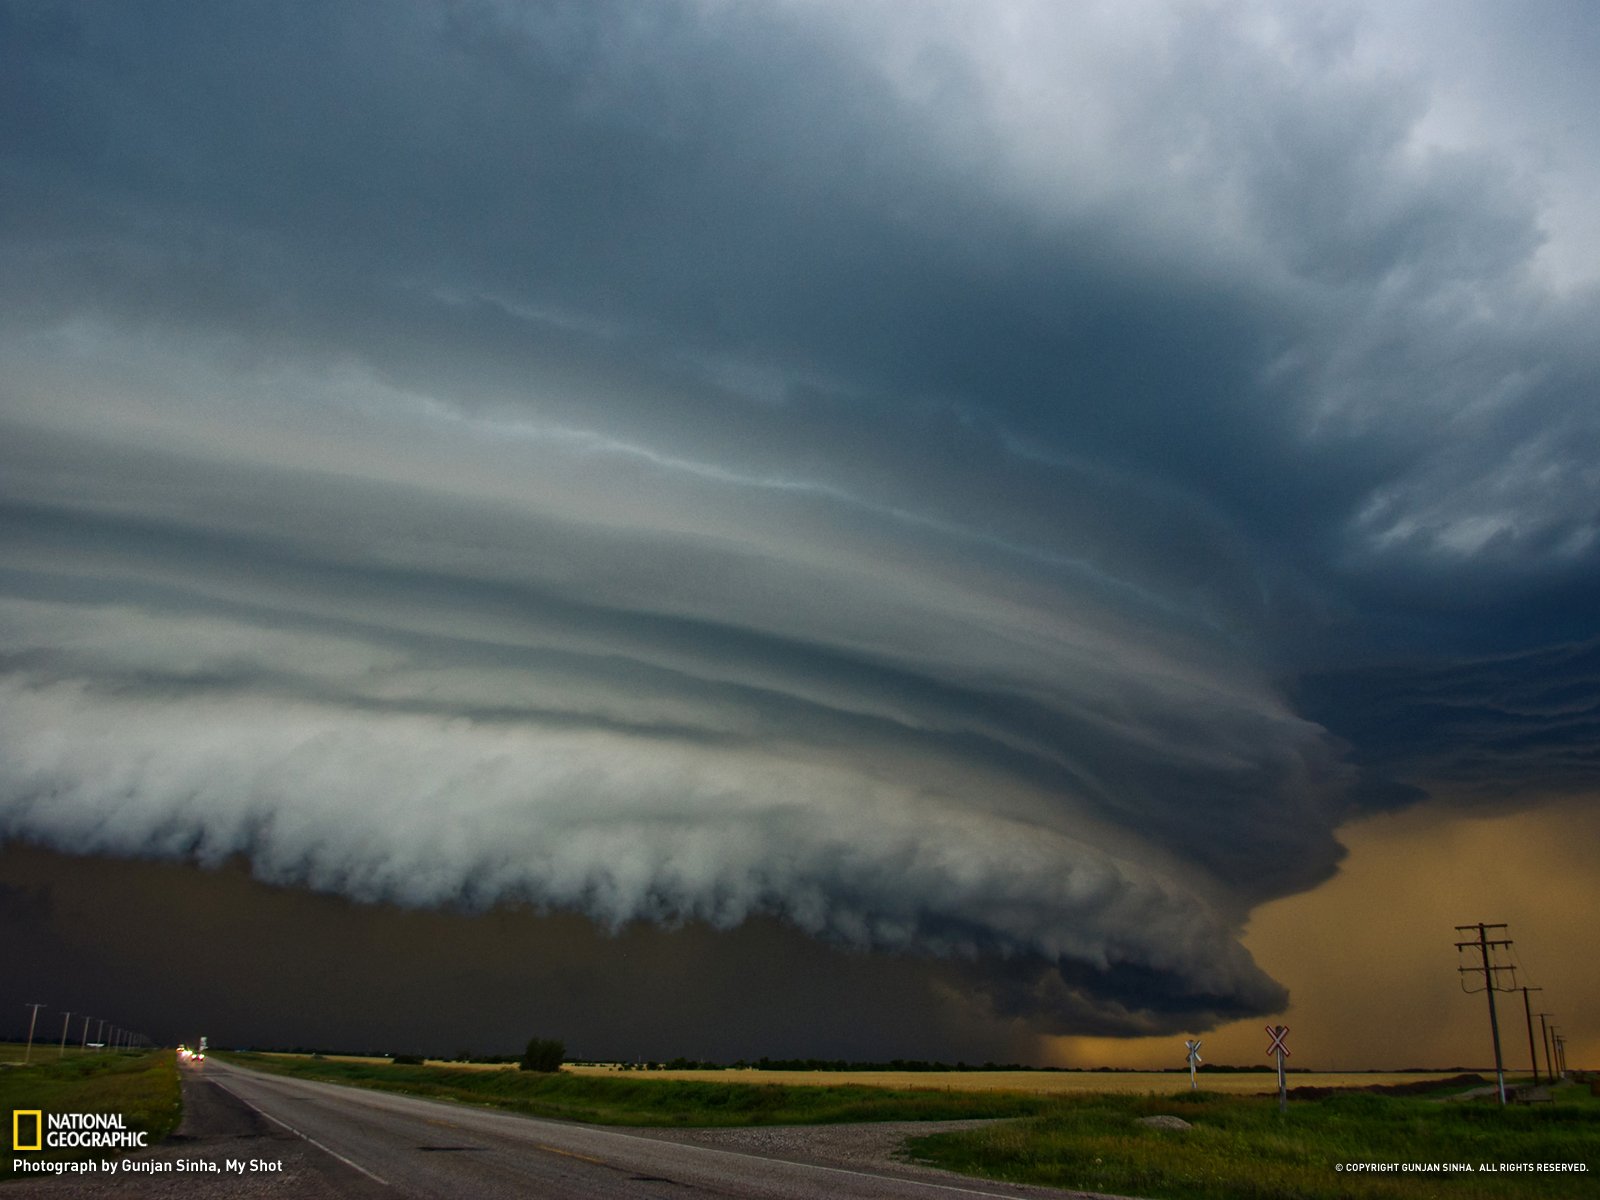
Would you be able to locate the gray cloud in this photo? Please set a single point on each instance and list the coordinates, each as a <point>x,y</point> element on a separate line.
<point>955,485</point>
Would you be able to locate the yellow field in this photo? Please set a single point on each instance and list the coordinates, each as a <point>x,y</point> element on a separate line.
<point>1043,1082</point>
<point>355,1058</point>
<point>371,1059</point>
<point>1037,1082</point>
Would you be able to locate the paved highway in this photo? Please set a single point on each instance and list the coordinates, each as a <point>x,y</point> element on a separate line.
<point>424,1148</point>
<point>323,1140</point>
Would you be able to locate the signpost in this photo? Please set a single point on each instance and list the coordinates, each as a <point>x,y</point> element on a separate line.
<point>1277,1033</point>
<point>1194,1061</point>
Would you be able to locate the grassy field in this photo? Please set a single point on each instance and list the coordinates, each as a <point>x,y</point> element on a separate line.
<point>43,1052</point>
<point>1242,1148</point>
<point>647,1098</point>
<point>142,1086</point>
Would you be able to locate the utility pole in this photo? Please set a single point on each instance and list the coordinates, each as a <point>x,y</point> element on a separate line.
<point>86,1019</point>
<point>1561,1054</point>
<point>32,1021</point>
<point>1528,1011</point>
<point>99,1032</point>
<point>1544,1036</point>
<point>1483,944</point>
<point>65,1020</point>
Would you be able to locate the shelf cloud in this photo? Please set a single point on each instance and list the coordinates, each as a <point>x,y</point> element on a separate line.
<point>995,485</point>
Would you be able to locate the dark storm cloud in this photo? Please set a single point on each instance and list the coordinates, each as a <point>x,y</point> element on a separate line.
<point>895,475</point>
<point>1514,727</point>
<point>289,969</point>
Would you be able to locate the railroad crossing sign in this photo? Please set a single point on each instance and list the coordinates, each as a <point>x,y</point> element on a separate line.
<point>1193,1057</point>
<point>1277,1033</point>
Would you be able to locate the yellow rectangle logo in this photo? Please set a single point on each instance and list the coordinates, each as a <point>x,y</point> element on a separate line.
<point>19,1122</point>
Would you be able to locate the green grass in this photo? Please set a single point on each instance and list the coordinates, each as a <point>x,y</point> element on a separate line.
<point>643,1101</point>
<point>42,1052</point>
<point>1242,1148</point>
<point>142,1086</point>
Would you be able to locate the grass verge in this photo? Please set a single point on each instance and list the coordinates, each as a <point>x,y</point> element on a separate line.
<point>610,1100</point>
<point>1242,1148</point>
<point>142,1087</point>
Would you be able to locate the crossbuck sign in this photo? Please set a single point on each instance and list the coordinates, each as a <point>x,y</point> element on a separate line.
<point>1194,1060</point>
<point>1277,1033</point>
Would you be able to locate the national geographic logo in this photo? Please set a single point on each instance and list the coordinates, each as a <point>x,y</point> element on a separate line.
<point>31,1129</point>
<point>27,1129</point>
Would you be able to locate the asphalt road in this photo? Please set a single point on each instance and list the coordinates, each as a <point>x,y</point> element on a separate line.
<point>322,1140</point>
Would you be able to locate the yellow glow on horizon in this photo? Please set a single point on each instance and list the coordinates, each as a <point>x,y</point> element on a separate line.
<point>1370,961</point>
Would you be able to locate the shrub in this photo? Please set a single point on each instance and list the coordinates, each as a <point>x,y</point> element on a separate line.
<point>407,1060</point>
<point>543,1054</point>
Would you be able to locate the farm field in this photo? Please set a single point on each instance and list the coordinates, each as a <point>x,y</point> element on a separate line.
<point>1045,1083</point>
<point>1040,1083</point>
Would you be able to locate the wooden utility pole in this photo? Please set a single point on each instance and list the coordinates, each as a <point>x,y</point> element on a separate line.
<point>1528,1010</point>
<point>32,1021</point>
<point>1484,944</point>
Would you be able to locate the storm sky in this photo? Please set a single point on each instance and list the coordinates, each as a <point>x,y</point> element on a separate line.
<point>986,490</point>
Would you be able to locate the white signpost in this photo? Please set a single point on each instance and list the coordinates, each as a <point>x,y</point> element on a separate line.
<point>1277,1033</point>
<point>1194,1061</point>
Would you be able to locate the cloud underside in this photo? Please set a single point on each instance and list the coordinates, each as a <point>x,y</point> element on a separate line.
<point>433,738</point>
<point>958,489</point>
